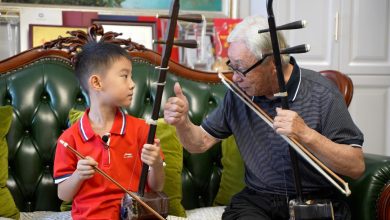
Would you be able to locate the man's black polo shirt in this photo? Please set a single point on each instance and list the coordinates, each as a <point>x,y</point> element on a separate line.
<point>267,162</point>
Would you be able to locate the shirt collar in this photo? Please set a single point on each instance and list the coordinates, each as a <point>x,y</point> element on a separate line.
<point>294,82</point>
<point>119,126</point>
<point>292,85</point>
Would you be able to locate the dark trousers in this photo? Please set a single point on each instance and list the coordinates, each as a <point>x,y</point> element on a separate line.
<point>249,204</point>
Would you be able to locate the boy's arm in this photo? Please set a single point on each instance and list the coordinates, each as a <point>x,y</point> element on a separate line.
<point>151,155</point>
<point>69,187</point>
<point>156,177</point>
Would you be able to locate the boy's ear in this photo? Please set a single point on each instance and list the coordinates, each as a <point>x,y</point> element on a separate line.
<point>95,82</point>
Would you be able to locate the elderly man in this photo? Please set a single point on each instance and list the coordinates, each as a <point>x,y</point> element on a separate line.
<point>318,118</point>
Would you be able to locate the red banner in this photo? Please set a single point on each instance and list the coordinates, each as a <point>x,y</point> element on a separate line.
<point>223,27</point>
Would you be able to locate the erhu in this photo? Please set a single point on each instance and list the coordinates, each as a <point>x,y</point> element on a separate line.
<point>298,208</point>
<point>131,208</point>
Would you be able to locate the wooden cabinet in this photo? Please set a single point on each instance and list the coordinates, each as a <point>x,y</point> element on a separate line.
<point>320,32</point>
<point>365,37</point>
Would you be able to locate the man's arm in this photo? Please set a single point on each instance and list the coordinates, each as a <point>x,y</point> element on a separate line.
<point>341,158</point>
<point>193,137</point>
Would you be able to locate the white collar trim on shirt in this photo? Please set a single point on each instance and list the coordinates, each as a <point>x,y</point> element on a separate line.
<point>299,85</point>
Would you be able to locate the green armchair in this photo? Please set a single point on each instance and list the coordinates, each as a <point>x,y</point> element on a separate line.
<point>41,87</point>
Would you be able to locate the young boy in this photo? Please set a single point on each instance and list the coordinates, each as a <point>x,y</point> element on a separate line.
<point>109,139</point>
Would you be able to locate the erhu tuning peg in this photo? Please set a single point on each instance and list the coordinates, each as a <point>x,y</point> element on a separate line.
<point>180,43</point>
<point>289,26</point>
<point>303,48</point>
<point>196,18</point>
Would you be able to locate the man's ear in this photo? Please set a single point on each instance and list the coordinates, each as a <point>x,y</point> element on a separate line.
<point>271,62</point>
<point>95,82</point>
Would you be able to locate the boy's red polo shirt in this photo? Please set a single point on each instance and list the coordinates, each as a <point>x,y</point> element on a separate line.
<point>98,198</point>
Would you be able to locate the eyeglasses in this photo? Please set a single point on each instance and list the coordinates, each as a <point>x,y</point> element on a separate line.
<point>243,74</point>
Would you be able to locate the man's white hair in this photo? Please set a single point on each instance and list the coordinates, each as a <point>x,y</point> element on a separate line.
<point>247,31</point>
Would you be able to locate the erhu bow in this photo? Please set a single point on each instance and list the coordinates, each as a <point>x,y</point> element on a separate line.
<point>299,209</point>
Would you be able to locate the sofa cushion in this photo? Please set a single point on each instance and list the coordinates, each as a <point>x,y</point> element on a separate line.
<point>74,115</point>
<point>7,204</point>
<point>209,213</point>
<point>232,179</point>
<point>5,123</point>
<point>173,153</point>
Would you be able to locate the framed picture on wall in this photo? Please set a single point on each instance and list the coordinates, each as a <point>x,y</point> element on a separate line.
<point>209,8</point>
<point>40,34</point>
<point>141,32</point>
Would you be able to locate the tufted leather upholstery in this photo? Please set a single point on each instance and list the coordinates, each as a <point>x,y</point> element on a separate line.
<point>41,105</point>
<point>41,87</point>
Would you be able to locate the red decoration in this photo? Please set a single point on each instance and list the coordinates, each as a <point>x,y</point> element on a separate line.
<point>223,27</point>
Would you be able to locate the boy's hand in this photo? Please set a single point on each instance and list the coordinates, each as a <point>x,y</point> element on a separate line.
<point>151,154</point>
<point>85,168</point>
<point>176,108</point>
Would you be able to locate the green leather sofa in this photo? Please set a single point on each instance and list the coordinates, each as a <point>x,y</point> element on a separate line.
<point>42,88</point>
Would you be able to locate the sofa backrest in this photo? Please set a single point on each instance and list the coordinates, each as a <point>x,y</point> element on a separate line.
<point>42,88</point>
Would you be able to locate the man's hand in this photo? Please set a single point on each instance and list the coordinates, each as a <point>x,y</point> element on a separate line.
<point>289,123</point>
<point>176,108</point>
<point>151,154</point>
<point>85,168</point>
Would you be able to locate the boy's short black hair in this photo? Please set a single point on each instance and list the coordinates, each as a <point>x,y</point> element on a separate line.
<point>96,57</point>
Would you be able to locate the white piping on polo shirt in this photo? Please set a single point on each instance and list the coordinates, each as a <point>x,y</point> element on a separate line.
<point>82,128</point>
<point>296,91</point>
<point>299,84</point>
<point>123,122</point>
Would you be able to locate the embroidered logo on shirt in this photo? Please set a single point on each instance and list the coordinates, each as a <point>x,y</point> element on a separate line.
<point>127,155</point>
